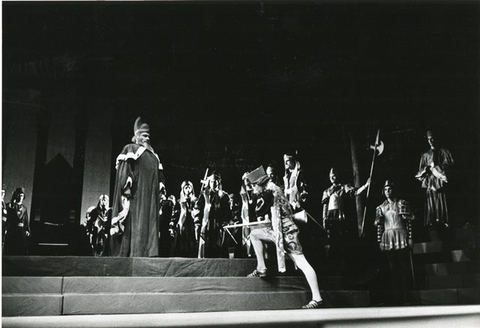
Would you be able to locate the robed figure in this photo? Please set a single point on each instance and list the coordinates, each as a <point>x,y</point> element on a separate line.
<point>17,225</point>
<point>433,172</point>
<point>212,211</point>
<point>136,202</point>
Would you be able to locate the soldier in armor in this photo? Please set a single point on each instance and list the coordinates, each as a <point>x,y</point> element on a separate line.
<point>394,235</point>
<point>333,201</point>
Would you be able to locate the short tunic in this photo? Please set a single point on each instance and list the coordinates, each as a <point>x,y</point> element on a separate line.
<point>394,216</point>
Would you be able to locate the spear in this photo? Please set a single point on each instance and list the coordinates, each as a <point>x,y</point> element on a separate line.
<point>377,143</point>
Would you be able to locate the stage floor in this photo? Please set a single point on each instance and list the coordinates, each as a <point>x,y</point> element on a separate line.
<point>419,316</point>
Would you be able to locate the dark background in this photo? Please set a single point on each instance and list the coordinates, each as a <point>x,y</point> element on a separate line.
<point>231,86</point>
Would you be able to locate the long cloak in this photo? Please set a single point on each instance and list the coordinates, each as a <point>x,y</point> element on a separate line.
<point>139,237</point>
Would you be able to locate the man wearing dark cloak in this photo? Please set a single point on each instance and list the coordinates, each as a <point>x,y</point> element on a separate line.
<point>213,212</point>
<point>18,225</point>
<point>136,201</point>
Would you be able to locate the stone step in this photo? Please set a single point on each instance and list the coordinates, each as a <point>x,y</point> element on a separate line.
<point>445,269</point>
<point>468,233</point>
<point>32,304</point>
<point>438,246</point>
<point>452,296</point>
<point>139,302</point>
<point>447,256</point>
<point>142,266</point>
<point>91,285</point>
<point>451,281</point>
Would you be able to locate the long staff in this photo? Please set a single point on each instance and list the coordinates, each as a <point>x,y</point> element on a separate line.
<point>377,142</point>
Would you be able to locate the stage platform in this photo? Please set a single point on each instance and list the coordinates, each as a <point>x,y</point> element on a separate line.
<point>423,316</point>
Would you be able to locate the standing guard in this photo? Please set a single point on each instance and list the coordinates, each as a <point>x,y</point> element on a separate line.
<point>394,235</point>
<point>333,201</point>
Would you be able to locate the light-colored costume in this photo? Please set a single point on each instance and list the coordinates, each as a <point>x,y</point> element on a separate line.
<point>433,173</point>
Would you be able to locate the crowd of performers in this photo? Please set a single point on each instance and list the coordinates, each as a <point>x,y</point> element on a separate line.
<point>144,221</point>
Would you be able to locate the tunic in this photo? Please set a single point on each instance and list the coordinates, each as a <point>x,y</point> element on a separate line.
<point>433,172</point>
<point>333,201</point>
<point>135,223</point>
<point>395,217</point>
<point>283,231</point>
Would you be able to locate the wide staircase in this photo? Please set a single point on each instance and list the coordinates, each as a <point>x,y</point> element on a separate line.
<point>447,272</point>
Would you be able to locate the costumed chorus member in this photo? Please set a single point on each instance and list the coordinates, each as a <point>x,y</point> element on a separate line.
<point>18,225</point>
<point>212,211</point>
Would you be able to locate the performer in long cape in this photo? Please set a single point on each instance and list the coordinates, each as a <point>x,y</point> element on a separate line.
<point>136,201</point>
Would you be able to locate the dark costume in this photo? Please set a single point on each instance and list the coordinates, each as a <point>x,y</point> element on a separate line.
<point>183,227</point>
<point>99,221</point>
<point>168,212</point>
<point>136,202</point>
<point>4,216</point>
<point>213,217</point>
<point>433,172</point>
<point>17,226</point>
<point>394,231</point>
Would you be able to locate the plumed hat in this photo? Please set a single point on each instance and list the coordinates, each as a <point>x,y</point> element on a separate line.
<point>333,171</point>
<point>140,126</point>
<point>258,176</point>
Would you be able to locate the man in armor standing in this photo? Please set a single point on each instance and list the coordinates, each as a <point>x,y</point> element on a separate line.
<point>394,235</point>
